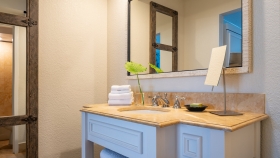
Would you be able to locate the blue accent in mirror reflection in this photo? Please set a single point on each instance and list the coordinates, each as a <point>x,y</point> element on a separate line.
<point>157,51</point>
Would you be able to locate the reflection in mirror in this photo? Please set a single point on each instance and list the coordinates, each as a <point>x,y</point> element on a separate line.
<point>164,60</point>
<point>15,7</point>
<point>163,29</point>
<point>13,141</point>
<point>12,70</point>
<point>231,35</point>
<point>200,29</point>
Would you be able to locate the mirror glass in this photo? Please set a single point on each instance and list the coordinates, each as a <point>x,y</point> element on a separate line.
<point>13,141</point>
<point>15,7</point>
<point>163,29</point>
<point>164,60</point>
<point>12,70</point>
<point>202,25</point>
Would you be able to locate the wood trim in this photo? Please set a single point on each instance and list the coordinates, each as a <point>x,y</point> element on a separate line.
<point>12,19</point>
<point>164,47</point>
<point>33,80</point>
<point>162,9</point>
<point>12,120</point>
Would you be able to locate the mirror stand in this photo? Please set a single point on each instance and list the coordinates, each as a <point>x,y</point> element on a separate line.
<point>225,112</point>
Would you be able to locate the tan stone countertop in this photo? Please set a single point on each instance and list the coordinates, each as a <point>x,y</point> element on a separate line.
<point>175,116</point>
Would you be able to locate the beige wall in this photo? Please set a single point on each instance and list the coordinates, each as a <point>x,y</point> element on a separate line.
<point>140,24</point>
<point>72,71</point>
<point>117,42</point>
<point>202,30</point>
<point>6,70</point>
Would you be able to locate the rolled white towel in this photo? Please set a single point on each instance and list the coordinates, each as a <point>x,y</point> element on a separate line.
<point>107,153</point>
<point>120,96</point>
<point>120,101</point>
<point>121,92</point>
<point>120,87</point>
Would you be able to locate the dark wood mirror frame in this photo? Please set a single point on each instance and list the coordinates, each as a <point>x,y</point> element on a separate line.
<point>31,116</point>
<point>155,7</point>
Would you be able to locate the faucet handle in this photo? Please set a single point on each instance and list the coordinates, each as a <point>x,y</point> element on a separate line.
<point>177,102</point>
<point>165,99</point>
<point>154,100</point>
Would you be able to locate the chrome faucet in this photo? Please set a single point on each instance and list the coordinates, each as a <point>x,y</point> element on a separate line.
<point>177,104</point>
<point>164,101</point>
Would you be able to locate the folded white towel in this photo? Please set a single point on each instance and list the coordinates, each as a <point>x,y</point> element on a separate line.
<point>120,87</point>
<point>107,153</point>
<point>121,92</point>
<point>120,101</point>
<point>120,96</point>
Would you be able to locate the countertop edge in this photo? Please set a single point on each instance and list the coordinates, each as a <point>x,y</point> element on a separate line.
<point>225,128</point>
<point>177,121</point>
<point>241,125</point>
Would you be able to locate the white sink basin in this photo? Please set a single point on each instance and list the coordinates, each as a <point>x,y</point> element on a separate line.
<point>143,110</point>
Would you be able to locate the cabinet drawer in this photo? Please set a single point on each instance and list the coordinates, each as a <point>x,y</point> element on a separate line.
<point>118,135</point>
<point>127,138</point>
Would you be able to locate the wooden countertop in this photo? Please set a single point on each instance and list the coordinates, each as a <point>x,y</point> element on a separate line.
<point>175,116</point>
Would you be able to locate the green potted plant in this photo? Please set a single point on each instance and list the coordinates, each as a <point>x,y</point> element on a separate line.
<point>135,69</point>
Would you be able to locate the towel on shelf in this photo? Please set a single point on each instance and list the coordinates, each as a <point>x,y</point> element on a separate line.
<point>120,87</point>
<point>120,101</point>
<point>121,92</point>
<point>107,153</point>
<point>120,96</point>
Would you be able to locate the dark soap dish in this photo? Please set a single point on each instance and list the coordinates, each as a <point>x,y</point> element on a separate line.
<point>197,109</point>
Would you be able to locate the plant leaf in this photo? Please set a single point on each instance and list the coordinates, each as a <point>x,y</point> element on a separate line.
<point>134,68</point>
<point>158,70</point>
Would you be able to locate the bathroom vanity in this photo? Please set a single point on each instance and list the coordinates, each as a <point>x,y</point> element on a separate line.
<point>154,132</point>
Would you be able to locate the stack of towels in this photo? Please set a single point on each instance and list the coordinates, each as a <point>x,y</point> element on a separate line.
<point>120,95</point>
<point>107,153</point>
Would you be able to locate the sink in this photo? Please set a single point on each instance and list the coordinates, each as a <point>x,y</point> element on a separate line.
<point>143,110</point>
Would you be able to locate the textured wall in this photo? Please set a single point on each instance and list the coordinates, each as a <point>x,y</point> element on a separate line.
<point>117,42</point>
<point>264,79</point>
<point>6,69</point>
<point>72,71</point>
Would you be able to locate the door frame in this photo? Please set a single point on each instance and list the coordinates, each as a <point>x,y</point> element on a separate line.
<point>31,116</point>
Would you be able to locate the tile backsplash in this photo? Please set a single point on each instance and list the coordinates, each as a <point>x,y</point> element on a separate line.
<point>242,102</point>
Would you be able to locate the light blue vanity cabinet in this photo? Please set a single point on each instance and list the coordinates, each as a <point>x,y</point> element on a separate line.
<point>130,139</point>
<point>137,140</point>
<point>200,142</point>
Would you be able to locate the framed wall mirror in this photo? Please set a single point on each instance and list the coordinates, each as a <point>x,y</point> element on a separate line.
<point>185,49</point>
<point>19,78</point>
